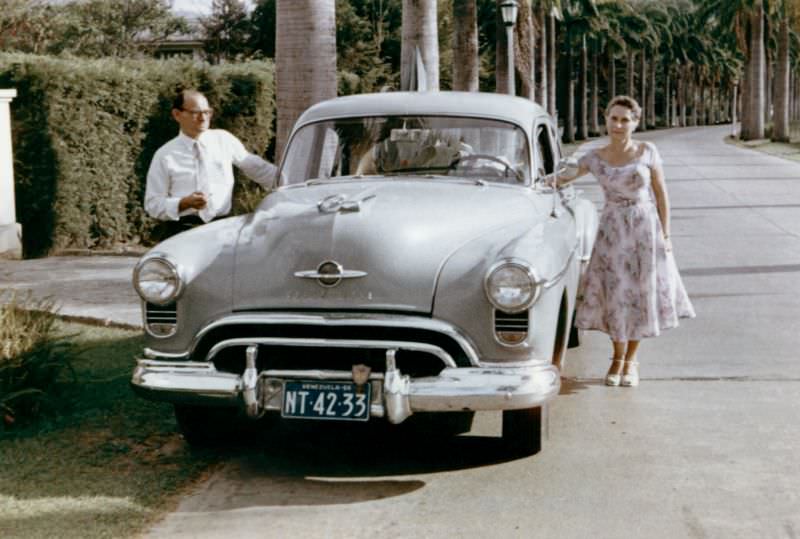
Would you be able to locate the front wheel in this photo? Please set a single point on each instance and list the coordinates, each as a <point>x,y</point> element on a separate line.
<point>524,430</point>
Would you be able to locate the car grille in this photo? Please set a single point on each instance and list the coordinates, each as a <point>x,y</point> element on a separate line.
<point>161,320</point>
<point>511,328</point>
<point>415,363</point>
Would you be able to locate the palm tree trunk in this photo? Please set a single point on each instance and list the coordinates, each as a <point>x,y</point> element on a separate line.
<point>734,102</point>
<point>780,130</point>
<point>629,72</point>
<point>594,125</point>
<point>465,46</point>
<point>667,99</point>
<point>525,51</point>
<point>691,82</point>
<point>542,96</point>
<point>532,41</point>
<point>768,80</point>
<point>551,65</point>
<point>753,124</point>
<point>569,128</point>
<point>643,92</point>
<point>420,31</point>
<point>702,109</point>
<point>612,72</point>
<point>712,100</point>
<point>682,95</point>
<point>305,60</point>
<point>583,87</point>
<point>651,100</point>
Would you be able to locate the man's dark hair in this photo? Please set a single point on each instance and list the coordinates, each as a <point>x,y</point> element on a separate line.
<point>181,96</point>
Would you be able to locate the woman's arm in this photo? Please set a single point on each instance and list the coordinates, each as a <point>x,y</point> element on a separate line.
<point>561,180</point>
<point>662,200</point>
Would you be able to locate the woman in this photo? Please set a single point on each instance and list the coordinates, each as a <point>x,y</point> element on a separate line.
<point>631,289</point>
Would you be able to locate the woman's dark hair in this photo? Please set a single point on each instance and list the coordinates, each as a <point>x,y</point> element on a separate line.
<point>628,102</point>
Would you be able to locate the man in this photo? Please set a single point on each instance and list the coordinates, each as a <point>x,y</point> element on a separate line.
<point>190,180</point>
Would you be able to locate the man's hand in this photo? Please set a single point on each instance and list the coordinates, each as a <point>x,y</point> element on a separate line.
<point>196,200</point>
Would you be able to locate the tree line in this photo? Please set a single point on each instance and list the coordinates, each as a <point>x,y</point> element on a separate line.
<point>688,62</point>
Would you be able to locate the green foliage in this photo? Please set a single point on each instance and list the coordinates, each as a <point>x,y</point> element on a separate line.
<point>31,357</point>
<point>85,131</point>
<point>94,28</point>
<point>227,30</point>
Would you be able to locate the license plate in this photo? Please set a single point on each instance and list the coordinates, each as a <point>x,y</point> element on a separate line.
<point>325,400</point>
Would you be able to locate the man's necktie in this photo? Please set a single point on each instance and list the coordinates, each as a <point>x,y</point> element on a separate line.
<point>203,180</point>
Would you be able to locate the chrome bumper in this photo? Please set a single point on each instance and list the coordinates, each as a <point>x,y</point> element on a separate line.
<point>395,395</point>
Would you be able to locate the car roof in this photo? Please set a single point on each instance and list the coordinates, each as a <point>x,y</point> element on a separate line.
<point>516,110</point>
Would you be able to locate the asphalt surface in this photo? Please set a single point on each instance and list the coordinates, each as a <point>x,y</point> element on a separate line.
<point>705,447</point>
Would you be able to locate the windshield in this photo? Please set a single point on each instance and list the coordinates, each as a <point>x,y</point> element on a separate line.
<point>475,148</point>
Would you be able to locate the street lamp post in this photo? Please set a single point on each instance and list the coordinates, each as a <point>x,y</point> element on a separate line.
<point>508,11</point>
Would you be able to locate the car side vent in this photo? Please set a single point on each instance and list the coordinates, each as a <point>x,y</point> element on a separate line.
<point>511,328</point>
<point>161,320</point>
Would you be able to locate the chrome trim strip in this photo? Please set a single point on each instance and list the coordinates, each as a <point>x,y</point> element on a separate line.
<point>334,343</point>
<point>552,281</point>
<point>345,274</point>
<point>344,320</point>
<point>316,374</point>
<point>149,353</point>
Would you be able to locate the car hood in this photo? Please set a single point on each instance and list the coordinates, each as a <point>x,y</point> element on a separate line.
<point>396,235</point>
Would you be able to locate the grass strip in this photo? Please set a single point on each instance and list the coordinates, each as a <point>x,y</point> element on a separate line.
<point>101,462</point>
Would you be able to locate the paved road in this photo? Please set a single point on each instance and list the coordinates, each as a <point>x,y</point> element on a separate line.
<point>705,447</point>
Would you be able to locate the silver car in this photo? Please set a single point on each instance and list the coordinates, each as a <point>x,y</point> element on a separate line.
<point>411,259</point>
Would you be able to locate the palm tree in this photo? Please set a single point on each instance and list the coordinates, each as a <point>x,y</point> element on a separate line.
<point>420,33</point>
<point>580,18</point>
<point>746,18</point>
<point>753,117</point>
<point>541,17</point>
<point>551,61</point>
<point>465,46</point>
<point>780,129</point>
<point>305,60</point>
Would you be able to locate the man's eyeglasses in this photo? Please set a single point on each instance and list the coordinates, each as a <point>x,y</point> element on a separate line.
<point>197,113</point>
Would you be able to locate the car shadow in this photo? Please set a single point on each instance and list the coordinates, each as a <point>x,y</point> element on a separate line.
<point>312,463</point>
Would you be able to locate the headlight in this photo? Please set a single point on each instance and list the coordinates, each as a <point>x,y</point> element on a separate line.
<point>512,286</point>
<point>157,281</point>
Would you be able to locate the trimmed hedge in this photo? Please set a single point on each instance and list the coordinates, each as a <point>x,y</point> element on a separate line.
<point>84,132</point>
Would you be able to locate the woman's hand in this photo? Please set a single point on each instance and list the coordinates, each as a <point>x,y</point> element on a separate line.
<point>667,244</point>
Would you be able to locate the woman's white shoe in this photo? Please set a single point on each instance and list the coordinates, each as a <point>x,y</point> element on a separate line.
<point>614,378</point>
<point>631,378</point>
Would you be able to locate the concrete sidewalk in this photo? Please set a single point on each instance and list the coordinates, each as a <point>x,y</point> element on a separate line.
<point>94,289</point>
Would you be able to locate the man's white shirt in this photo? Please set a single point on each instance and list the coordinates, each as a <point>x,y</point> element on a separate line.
<point>175,173</point>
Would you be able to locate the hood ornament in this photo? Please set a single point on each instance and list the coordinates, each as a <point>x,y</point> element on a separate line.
<point>337,203</point>
<point>330,273</point>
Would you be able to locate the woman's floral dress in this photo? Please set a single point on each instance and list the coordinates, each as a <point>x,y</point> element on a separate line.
<point>632,288</point>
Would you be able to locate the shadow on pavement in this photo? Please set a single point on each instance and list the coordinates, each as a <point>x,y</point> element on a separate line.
<point>313,463</point>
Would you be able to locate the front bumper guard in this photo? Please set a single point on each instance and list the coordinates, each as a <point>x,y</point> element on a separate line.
<point>395,395</point>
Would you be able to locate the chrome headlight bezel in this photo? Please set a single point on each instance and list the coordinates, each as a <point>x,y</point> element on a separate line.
<point>172,268</point>
<point>527,271</point>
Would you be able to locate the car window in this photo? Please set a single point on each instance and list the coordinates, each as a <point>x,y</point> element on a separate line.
<point>545,156</point>
<point>428,146</point>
